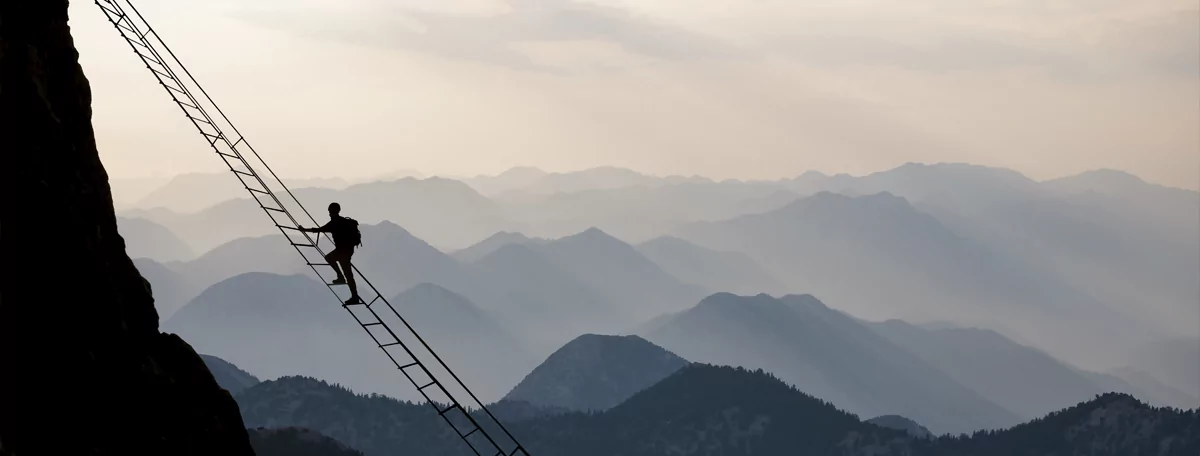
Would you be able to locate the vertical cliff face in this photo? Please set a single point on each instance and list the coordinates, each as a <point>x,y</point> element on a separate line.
<point>83,367</point>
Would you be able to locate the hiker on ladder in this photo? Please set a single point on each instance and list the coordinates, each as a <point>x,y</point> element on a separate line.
<point>346,237</point>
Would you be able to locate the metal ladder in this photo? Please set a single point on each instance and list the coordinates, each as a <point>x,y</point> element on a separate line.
<point>227,142</point>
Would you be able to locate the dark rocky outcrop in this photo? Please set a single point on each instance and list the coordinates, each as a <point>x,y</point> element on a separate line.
<point>83,366</point>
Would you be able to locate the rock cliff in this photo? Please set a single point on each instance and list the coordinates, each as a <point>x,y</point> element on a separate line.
<point>83,366</point>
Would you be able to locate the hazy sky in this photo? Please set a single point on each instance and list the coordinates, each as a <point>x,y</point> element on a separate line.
<point>723,88</point>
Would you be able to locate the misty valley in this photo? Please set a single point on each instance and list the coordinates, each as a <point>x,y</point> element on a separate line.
<point>926,309</point>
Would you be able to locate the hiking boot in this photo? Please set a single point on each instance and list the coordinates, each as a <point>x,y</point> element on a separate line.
<point>338,281</point>
<point>353,300</point>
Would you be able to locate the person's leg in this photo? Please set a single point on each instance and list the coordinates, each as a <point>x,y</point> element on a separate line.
<point>349,270</point>
<point>333,259</point>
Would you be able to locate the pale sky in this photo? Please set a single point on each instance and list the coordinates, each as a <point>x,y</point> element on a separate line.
<point>721,88</point>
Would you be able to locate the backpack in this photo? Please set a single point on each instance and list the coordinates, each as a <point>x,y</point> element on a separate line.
<point>348,233</point>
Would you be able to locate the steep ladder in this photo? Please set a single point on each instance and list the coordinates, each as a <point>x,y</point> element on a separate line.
<point>412,358</point>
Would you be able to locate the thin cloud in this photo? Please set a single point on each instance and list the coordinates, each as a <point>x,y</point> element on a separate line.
<point>960,53</point>
<point>494,39</point>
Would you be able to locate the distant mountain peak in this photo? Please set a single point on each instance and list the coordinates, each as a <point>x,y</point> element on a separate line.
<point>390,225</point>
<point>508,252</point>
<point>523,169</point>
<point>729,302</point>
<point>599,339</point>
<point>592,235</point>
<point>1114,182</point>
<point>596,372</point>
<point>1114,174</point>
<point>494,243</point>
<point>827,199</point>
<point>415,184</point>
<point>828,354</point>
<point>593,231</point>
<point>725,303</point>
<point>507,237</point>
<point>804,300</point>
<point>390,229</point>
<point>946,166</point>
<point>613,169</point>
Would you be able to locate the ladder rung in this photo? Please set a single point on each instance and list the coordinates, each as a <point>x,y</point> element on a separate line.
<point>304,245</point>
<point>148,58</point>
<point>139,43</point>
<point>427,385</point>
<point>112,11</point>
<point>372,324</point>
<point>169,87</point>
<point>472,432</point>
<point>447,409</point>
<point>406,366</point>
<point>197,119</point>
<point>389,344</point>
<point>238,171</point>
<point>317,264</point>
<point>223,154</point>
<point>255,190</point>
<point>274,209</point>
<point>126,27</point>
<point>163,74</point>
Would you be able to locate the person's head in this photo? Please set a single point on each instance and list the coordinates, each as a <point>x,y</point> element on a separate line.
<point>334,209</point>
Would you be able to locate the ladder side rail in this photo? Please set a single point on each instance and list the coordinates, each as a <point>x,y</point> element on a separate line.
<point>452,375</point>
<point>184,89</point>
<point>300,205</point>
<point>432,378</point>
<point>241,138</point>
<point>159,59</point>
<point>170,74</point>
<point>187,91</point>
<point>222,137</point>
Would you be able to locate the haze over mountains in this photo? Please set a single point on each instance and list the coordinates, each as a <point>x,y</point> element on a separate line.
<point>740,412</point>
<point>959,297</point>
<point>829,355</point>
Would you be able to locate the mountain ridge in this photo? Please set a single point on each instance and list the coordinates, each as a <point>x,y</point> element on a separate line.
<point>596,372</point>
<point>827,354</point>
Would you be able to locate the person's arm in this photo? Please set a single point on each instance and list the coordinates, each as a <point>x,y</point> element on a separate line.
<point>321,229</point>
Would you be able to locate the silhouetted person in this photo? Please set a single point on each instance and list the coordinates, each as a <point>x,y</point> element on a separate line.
<point>346,237</point>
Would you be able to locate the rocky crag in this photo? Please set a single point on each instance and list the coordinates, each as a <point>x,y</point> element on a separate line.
<point>84,369</point>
